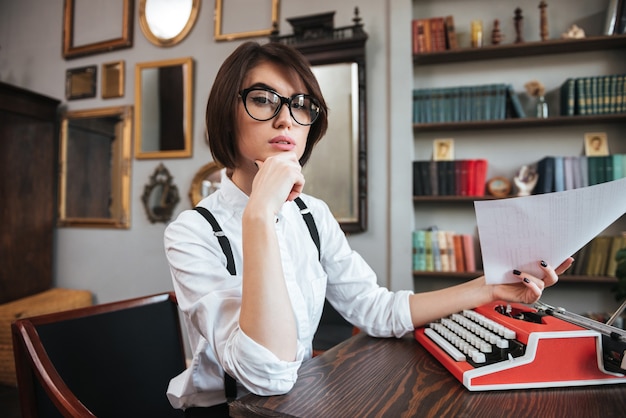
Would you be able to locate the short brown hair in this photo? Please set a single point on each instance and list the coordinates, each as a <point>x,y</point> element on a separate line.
<point>224,96</point>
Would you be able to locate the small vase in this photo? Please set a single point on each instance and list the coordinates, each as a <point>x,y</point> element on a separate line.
<point>542,107</point>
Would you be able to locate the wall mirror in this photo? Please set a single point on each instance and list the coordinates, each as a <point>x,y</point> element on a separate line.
<point>160,196</point>
<point>206,180</point>
<point>163,108</point>
<point>337,170</point>
<point>94,175</point>
<point>167,22</point>
<point>81,37</point>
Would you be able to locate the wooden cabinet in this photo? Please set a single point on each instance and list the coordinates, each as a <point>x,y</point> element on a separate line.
<point>28,162</point>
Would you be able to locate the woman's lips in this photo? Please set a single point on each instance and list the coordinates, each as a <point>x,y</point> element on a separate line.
<point>282,143</point>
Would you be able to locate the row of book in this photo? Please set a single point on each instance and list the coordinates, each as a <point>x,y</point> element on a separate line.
<point>598,95</point>
<point>433,34</point>
<point>443,251</point>
<point>597,258</point>
<point>559,173</point>
<point>466,103</point>
<point>449,178</point>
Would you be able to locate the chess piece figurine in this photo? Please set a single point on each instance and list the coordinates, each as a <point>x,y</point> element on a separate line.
<point>543,20</point>
<point>525,180</point>
<point>518,26</point>
<point>496,33</point>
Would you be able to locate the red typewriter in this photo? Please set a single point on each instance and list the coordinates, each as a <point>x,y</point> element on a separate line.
<point>513,346</point>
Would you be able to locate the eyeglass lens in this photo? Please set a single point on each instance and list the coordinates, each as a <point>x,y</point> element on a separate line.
<point>264,104</point>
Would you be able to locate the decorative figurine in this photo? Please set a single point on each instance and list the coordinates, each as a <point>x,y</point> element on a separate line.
<point>496,33</point>
<point>544,20</point>
<point>525,180</point>
<point>518,26</point>
<point>574,32</point>
<point>537,90</point>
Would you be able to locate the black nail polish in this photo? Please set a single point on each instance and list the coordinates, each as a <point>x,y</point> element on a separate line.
<point>544,264</point>
<point>517,272</point>
<point>526,280</point>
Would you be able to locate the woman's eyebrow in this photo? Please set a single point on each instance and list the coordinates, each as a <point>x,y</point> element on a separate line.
<point>262,85</point>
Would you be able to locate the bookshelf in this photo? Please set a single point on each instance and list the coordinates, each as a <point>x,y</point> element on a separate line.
<point>520,137</point>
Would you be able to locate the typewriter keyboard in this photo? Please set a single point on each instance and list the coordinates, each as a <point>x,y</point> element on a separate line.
<point>472,337</point>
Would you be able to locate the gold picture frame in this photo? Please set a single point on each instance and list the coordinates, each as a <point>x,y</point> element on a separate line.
<point>80,83</point>
<point>71,47</point>
<point>94,167</point>
<point>219,15</point>
<point>205,181</point>
<point>113,79</point>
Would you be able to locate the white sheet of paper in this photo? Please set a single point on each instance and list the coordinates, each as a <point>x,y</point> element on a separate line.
<point>517,233</point>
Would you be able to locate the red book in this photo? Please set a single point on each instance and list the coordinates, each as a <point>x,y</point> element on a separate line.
<point>451,42</point>
<point>459,257</point>
<point>480,177</point>
<point>470,177</point>
<point>469,253</point>
<point>421,36</point>
<point>438,34</point>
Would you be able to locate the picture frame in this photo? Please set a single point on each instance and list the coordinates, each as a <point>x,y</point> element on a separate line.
<point>596,144</point>
<point>443,149</point>
<point>113,79</point>
<point>80,83</point>
<point>77,31</point>
<point>255,33</point>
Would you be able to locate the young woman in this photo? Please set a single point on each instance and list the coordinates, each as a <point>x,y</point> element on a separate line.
<point>253,318</point>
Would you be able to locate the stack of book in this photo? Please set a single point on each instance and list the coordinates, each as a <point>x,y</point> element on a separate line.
<point>449,178</point>
<point>433,34</point>
<point>599,95</point>
<point>466,103</point>
<point>597,258</point>
<point>443,251</point>
<point>558,173</point>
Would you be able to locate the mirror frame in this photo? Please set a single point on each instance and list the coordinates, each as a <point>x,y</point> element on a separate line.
<point>316,38</point>
<point>160,180</point>
<point>218,16</point>
<point>195,191</point>
<point>124,41</point>
<point>167,42</point>
<point>120,181</point>
<point>187,64</point>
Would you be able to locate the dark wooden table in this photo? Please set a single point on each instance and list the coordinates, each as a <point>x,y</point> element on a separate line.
<point>369,377</point>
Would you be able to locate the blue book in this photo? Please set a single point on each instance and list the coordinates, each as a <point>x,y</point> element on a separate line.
<point>559,174</point>
<point>618,172</point>
<point>516,105</point>
<point>545,171</point>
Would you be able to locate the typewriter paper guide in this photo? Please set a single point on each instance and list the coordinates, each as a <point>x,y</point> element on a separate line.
<point>517,233</point>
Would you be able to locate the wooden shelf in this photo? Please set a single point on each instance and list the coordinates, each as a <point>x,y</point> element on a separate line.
<point>520,123</point>
<point>474,274</point>
<point>555,46</point>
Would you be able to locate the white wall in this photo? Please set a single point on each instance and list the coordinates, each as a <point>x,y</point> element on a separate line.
<point>116,264</point>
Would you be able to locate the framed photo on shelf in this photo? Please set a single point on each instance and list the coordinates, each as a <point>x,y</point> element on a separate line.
<point>443,149</point>
<point>596,144</point>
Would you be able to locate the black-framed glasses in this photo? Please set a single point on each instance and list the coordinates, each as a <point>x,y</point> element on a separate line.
<point>264,104</point>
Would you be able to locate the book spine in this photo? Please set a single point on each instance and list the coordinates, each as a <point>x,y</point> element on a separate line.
<point>451,41</point>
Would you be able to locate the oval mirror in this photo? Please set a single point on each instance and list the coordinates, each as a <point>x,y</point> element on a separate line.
<point>167,22</point>
<point>163,88</point>
<point>207,180</point>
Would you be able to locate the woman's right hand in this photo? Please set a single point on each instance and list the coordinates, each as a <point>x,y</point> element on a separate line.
<point>278,180</point>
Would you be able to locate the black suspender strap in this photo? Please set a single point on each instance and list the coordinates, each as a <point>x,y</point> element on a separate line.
<point>223,240</point>
<point>310,223</point>
<point>230,385</point>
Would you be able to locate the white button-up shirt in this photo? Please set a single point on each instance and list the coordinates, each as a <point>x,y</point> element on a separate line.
<point>210,298</point>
